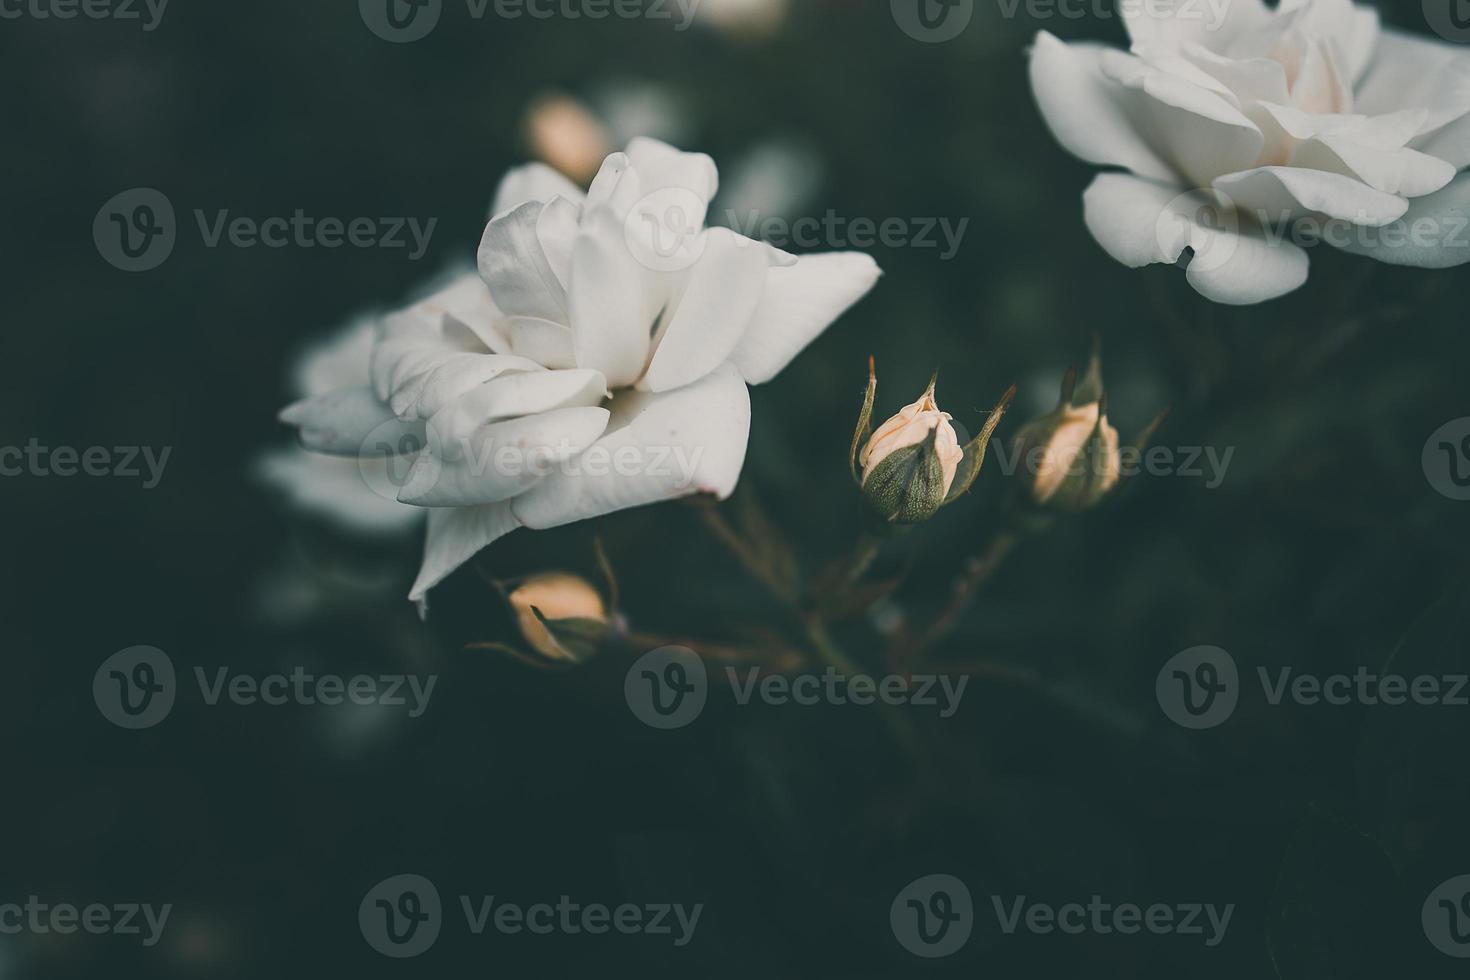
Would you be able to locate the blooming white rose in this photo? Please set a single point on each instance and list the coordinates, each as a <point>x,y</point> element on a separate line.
<point>1308,115</point>
<point>598,361</point>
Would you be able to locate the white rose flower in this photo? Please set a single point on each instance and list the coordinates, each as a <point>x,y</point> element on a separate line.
<point>598,361</point>
<point>1290,125</point>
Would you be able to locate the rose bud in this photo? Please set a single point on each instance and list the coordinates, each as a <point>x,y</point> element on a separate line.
<point>1070,458</point>
<point>914,463</point>
<point>560,615</point>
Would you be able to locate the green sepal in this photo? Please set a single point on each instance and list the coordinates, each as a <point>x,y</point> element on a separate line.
<point>974,458</point>
<point>864,424</point>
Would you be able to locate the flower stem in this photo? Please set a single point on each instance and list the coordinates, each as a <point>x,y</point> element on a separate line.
<point>978,571</point>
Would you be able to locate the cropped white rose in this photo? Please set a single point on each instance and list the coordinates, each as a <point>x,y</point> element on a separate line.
<point>598,361</point>
<point>1290,125</point>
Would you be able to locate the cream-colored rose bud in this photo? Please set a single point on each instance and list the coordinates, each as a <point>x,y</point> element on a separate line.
<point>909,464</point>
<point>911,427</point>
<point>568,603</point>
<point>1070,458</point>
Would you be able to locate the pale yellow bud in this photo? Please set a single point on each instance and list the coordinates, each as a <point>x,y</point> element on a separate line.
<point>1070,458</point>
<point>558,595</point>
<point>564,134</point>
<point>910,427</point>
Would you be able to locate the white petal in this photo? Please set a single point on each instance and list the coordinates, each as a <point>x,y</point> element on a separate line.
<point>1279,195</point>
<point>1140,222</point>
<point>510,396</point>
<point>608,301</point>
<point>1087,112</point>
<point>340,360</point>
<point>335,489</point>
<point>1434,232</point>
<point>1412,71</point>
<point>414,340</point>
<point>607,185</point>
<point>455,534</point>
<point>1200,133</point>
<point>341,422</point>
<point>712,314</point>
<point>498,461</point>
<point>533,182</point>
<point>799,302</point>
<point>668,444</point>
<point>521,278</point>
<point>428,393</point>
<point>1403,171</point>
<point>662,167</point>
<point>548,344</point>
<point>1172,23</point>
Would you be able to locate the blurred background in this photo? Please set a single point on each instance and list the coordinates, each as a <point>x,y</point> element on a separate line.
<point>1323,548</point>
